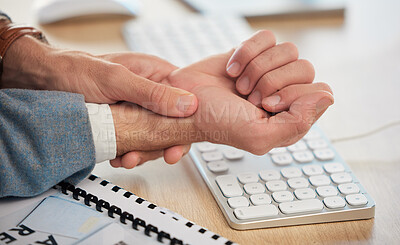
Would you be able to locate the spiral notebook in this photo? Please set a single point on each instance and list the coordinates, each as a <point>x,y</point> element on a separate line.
<point>95,212</point>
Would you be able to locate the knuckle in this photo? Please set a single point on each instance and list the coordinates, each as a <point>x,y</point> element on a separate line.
<point>266,34</point>
<point>308,70</point>
<point>291,50</point>
<point>159,94</point>
<point>289,93</point>
<point>256,66</point>
<point>259,38</point>
<point>246,49</point>
<point>268,82</point>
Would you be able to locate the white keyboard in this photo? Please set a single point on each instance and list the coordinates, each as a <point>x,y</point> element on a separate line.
<point>183,41</point>
<point>305,183</point>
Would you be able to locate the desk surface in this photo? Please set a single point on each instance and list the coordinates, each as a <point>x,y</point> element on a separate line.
<point>359,56</point>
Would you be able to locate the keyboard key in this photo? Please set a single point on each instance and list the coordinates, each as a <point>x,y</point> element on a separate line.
<point>334,202</point>
<point>327,191</point>
<point>341,178</point>
<point>303,156</point>
<point>252,212</point>
<point>356,199</point>
<point>233,154</point>
<point>254,188</point>
<point>306,193</point>
<point>212,156</point>
<point>282,159</point>
<point>349,188</point>
<point>297,183</point>
<point>298,146</point>
<point>317,144</point>
<point>278,150</point>
<point>312,135</point>
<point>229,185</point>
<point>276,185</point>
<point>245,178</point>
<point>268,175</point>
<point>291,172</point>
<point>237,202</point>
<point>311,170</point>
<point>319,180</point>
<point>206,147</point>
<point>324,154</point>
<point>260,199</point>
<point>218,166</point>
<point>282,196</point>
<point>301,206</point>
<point>334,167</point>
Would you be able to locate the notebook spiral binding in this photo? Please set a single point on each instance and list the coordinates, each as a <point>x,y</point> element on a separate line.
<point>124,217</point>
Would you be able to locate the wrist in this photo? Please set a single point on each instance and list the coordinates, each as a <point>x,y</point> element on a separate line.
<point>26,64</point>
<point>138,129</point>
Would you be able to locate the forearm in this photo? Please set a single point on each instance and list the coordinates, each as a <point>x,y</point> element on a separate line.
<point>33,64</point>
<point>24,50</point>
<point>45,137</point>
<point>27,64</point>
<point>139,129</point>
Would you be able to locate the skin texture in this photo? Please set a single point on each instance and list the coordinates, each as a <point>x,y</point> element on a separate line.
<point>223,116</point>
<point>30,64</point>
<point>217,107</point>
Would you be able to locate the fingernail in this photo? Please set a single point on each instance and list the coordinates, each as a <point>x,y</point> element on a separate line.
<point>255,98</point>
<point>184,102</point>
<point>323,104</point>
<point>272,100</point>
<point>243,84</point>
<point>234,68</point>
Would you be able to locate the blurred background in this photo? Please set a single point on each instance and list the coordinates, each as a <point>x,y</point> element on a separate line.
<point>354,46</point>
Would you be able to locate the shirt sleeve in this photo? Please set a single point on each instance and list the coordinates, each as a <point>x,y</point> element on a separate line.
<point>103,131</point>
<point>45,137</point>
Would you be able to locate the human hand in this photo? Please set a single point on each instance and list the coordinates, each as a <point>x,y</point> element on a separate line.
<point>225,116</point>
<point>262,68</point>
<point>32,64</point>
<point>103,79</point>
<point>155,69</point>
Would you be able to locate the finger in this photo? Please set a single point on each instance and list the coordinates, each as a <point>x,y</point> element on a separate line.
<point>135,158</point>
<point>157,97</point>
<point>282,99</point>
<point>297,72</point>
<point>267,61</point>
<point>173,154</point>
<point>116,163</point>
<point>144,65</point>
<point>290,126</point>
<point>248,50</point>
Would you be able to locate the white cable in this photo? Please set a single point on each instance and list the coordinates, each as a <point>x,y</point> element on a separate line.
<point>369,133</point>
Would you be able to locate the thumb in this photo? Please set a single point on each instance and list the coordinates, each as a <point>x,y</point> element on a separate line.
<point>159,98</point>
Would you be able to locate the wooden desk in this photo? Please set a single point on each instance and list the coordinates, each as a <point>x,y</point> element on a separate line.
<point>359,56</point>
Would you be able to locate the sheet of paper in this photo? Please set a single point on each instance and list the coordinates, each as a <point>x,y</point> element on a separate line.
<point>58,216</point>
<point>121,235</point>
